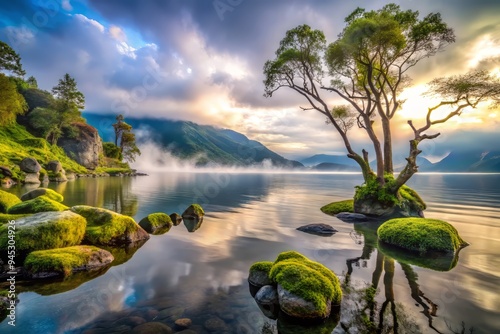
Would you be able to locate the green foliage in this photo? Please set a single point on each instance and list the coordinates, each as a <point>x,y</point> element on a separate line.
<point>156,223</point>
<point>264,266</point>
<point>37,98</point>
<point>105,227</point>
<point>307,279</point>
<point>10,60</point>
<point>338,207</point>
<point>7,200</point>
<point>125,139</point>
<point>11,102</point>
<point>16,144</point>
<point>111,151</point>
<point>36,205</point>
<point>49,193</point>
<point>62,260</point>
<point>412,196</point>
<point>67,92</point>
<point>421,235</point>
<point>46,231</point>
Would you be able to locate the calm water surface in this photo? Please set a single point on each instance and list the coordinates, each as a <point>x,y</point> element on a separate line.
<point>253,217</point>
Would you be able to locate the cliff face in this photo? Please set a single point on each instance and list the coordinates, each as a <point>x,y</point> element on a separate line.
<point>85,148</point>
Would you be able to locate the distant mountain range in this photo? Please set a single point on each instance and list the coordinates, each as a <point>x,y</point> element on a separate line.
<point>187,140</point>
<point>457,161</point>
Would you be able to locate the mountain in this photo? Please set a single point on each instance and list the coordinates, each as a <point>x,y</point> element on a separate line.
<point>326,158</point>
<point>329,166</point>
<point>188,140</point>
<point>468,161</point>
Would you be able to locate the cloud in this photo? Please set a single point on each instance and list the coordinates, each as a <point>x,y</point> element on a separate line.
<point>184,61</point>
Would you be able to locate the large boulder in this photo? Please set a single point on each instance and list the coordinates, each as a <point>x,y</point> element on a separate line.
<point>46,230</point>
<point>258,274</point>
<point>49,193</point>
<point>421,235</point>
<point>156,223</point>
<point>65,261</point>
<point>7,200</point>
<point>105,227</point>
<point>30,165</point>
<point>85,148</point>
<point>38,204</point>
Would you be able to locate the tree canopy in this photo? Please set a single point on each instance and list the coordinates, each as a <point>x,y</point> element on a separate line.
<point>10,60</point>
<point>11,102</point>
<point>367,66</point>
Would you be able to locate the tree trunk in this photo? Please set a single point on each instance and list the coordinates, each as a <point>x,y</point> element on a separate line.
<point>388,166</point>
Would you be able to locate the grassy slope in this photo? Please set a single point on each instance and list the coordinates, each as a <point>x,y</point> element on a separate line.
<point>16,144</point>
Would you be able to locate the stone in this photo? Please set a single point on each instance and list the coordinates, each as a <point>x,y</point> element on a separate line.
<point>216,325</point>
<point>46,230</point>
<point>351,217</point>
<point>318,229</point>
<point>132,321</point>
<point>267,300</point>
<point>53,195</point>
<point>298,307</point>
<point>152,328</point>
<point>105,227</point>
<point>259,274</point>
<point>30,165</point>
<point>65,261</point>
<point>6,171</point>
<point>36,205</point>
<point>194,211</point>
<point>85,148</point>
<point>176,218</point>
<point>54,166</point>
<point>32,178</point>
<point>156,223</point>
<point>70,176</point>
<point>183,323</point>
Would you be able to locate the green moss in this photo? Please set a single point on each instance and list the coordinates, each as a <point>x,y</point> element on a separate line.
<point>412,196</point>
<point>46,230</point>
<point>421,234</point>
<point>264,266</point>
<point>16,144</point>
<point>337,207</point>
<point>7,200</point>
<point>6,218</point>
<point>194,210</point>
<point>305,278</point>
<point>62,260</point>
<point>39,204</point>
<point>49,193</point>
<point>104,226</point>
<point>156,223</point>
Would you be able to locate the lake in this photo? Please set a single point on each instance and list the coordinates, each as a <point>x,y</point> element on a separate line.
<point>251,217</point>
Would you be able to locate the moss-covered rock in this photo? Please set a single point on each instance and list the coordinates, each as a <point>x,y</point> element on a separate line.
<point>5,218</point>
<point>259,273</point>
<point>65,261</point>
<point>46,230</point>
<point>193,211</point>
<point>7,200</point>
<point>338,207</point>
<point>156,223</point>
<point>307,289</point>
<point>421,235</point>
<point>39,204</point>
<point>49,193</point>
<point>105,227</point>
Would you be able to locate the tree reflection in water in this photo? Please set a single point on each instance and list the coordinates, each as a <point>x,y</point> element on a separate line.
<point>361,313</point>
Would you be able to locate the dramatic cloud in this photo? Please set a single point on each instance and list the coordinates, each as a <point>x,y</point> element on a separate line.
<point>202,60</point>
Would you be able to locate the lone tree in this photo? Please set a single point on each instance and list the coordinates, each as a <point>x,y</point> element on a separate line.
<point>10,60</point>
<point>367,66</point>
<point>125,139</point>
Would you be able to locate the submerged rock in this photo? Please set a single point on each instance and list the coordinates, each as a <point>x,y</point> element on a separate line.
<point>318,229</point>
<point>105,227</point>
<point>183,323</point>
<point>65,261</point>
<point>351,217</point>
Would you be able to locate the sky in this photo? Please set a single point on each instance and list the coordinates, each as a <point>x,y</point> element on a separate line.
<point>202,61</point>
